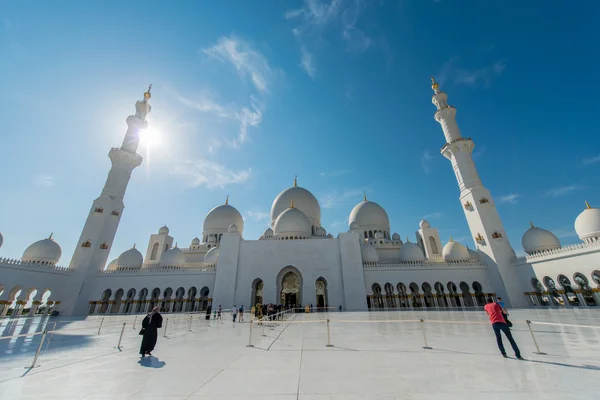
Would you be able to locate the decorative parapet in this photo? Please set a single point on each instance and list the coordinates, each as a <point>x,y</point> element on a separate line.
<point>560,252</point>
<point>33,265</point>
<point>154,269</point>
<point>461,139</point>
<point>424,265</point>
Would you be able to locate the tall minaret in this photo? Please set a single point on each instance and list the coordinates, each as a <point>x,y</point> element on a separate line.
<point>103,219</point>
<point>482,216</point>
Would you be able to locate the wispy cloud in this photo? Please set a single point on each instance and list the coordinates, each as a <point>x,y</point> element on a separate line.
<point>426,160</point>
<point>591,160</point>
<point>336,198</point>
<point>509,198</point>
<point>483,76</point>
<point>337,173</point>
<point>306,62</point>
<point>564,232</point>
<point>210,174</point>
<point>562,190</point>
<point>44,180</point>
<point>433,215</point>
<point>258,215</point>
<point>247,61</point>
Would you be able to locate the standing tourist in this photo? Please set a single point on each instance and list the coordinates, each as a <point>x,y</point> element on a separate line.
<point>499,325</point>
<point>149,332</point>
<point>219,310</point>
<point>234,312</point>
<point>242,313</point>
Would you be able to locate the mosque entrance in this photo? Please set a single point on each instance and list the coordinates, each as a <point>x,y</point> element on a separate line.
<point>290,289</point>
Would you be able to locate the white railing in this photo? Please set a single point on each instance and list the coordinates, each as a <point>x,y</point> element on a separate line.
<point>155,269</point>
<point>573,248</point>
<point>397,264</point>
<point>37,265</point>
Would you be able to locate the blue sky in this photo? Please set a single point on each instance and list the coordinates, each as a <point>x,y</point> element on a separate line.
<point>248,94</point>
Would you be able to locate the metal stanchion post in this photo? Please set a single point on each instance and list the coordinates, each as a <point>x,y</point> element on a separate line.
<point>52,331</point>
<point>250,335</point>
<point>37,353</point>
<point>263,325</point>
<point>535,341</point>
<point>328,335</point>
<point>100,327</point>
<point>121,337</point>
<point>134,321</point>
<point>166,325</point>
<point>424,337</point>
<point>190,327</point>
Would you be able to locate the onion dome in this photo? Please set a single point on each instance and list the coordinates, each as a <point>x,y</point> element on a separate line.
<point>232,229</point>
<point>304,201</point>
<point>292,222</point>
<point>172,258</point>
<point>45,250</point>
<point>369,216</point>
<point>212,256</point>
<point>268,233</point>
<point>454,251</point>
<point>131,258</point>
<point>396,237</point>
<point>369,253</point>
<point>163,231</point>
<point>220,218</point>
<point>112,265</point>
<point>195,241</point>
<point>587,224</point>
<point>424,224</point>
<point>410,252</point>
<point>538,239</point>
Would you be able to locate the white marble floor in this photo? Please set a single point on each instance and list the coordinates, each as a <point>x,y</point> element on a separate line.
<point>376,355</point>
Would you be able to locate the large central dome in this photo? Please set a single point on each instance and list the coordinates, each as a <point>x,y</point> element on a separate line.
<point>303,200</point>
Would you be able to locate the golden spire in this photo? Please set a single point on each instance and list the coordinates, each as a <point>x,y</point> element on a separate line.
<point>292,205</point>
<point>227,200</point>
<point>295,180</point>
<point>365,196</point>
<point>50,237</point>
<point>133,246</point>
<point>587,205</point>
<point>434,85</point>
<point>451,239</point>
<point>531,223</point>
<point>147,94</point>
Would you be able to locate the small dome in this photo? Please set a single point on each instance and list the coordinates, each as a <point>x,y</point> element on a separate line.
<point>163,231</point>
<point>587,224</point>
<point>268,233</point>
<point>369,253</point>
<point>368,214</point>
<point>303,200</point>
<point>195,241</point>
<point>232,229</point>
<point>112,265</point>
<point>454,251</point>
<point>411,252</point>
<point>538,239</point>
<point>329,236</point>
<point>354,226</point>
<point>292,222</point>
<point>172,258</point>
<point>45,250</point>
<point>474,254</point>
<point>212,256</point>
<point>396,237</point>
<point>424,224</point>
<point>131,258</point>
<point>1,239</point>
<point>220,218</point>
<point>321,231</point>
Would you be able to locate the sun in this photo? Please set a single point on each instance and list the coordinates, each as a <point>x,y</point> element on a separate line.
<point>150,137</point>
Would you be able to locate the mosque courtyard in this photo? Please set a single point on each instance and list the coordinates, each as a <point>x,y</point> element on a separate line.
<point>377,355</point>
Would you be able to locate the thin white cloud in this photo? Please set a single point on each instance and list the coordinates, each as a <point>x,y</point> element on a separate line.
<point>433,215</point>
<point>307,62</point>
<point>481,77</point>
<point>509,198</point>
<point>258,215</point>
<point>591,160</point>
<point>337,173</point>
<point>210,174</point>
<point>44,180</point>
<point>426,160</point>
<point>336,198</point>
<point>247,61</point>
<point>564,232</point>
<point>562,190</point>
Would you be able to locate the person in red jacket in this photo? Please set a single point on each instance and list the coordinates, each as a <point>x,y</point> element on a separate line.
<point>499,324</point>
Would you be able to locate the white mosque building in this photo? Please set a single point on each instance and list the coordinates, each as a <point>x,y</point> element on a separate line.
<point>296,262</point>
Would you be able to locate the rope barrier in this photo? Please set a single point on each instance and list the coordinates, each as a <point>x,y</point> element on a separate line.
<point>572,325</point>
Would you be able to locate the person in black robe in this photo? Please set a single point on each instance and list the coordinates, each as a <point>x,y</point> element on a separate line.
<point>149,332</point>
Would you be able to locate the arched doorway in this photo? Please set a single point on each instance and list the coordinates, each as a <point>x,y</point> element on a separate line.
<point>290,287</point>
<point>257,292</point>
<point>321,287</point>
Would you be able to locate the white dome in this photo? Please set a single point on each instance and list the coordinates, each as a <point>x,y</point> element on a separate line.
<point>172,258</point>
<point>212,256</point>
<point>232,229</point>
<point>369,253</point>
<point>112,265</point>
<point>292,222</point>
<point>474,255</point>
<point>268,233</point>
<point>329,236</point>
<point>587,224</point>
<point>396,237</point>
<point>1,239</point>
<point>538,239</point>
<point>321,231</point>
<point>424,224</point>
<point>454,251</point>
<point>411,252</point>
<point>131,258</point>
<point>195,241</point>
<point>354,226</point>
<point>45,250</point>
<point>303,200</point>
<point>163,231</point>
<point>367,214</point>
<point>220,218</point>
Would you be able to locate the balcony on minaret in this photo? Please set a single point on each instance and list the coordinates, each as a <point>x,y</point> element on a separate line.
<point>483,200</point>
<point>87,243</point>
<point>468,206</point>
<point>104,246</point>
<point>99,210</point>
<point>497,235</point>
<point>115,213</point>
<point>479,239</point>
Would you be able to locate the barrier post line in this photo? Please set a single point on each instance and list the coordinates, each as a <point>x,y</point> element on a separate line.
<point>100,327</point>
<point>190,327</point>
<point>328,335</point>
<point>52,332</point>
<point>424,337</point>
<point>539,352</point>
<point>37,353</point>
<point>166,325</point>
<point>134,321</point>
<point>121,337</point>
<point>250,335</point>
<point>263,326</point>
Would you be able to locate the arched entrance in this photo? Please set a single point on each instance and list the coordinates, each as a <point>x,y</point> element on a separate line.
<point>289,283</point>
<point>321,288</point>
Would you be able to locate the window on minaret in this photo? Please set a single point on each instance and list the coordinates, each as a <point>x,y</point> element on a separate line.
<point>433,244</point>
<point>166,246</point>
<point>154,251</point>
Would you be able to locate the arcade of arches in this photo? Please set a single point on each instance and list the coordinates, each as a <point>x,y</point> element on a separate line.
<point>566,294</point>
